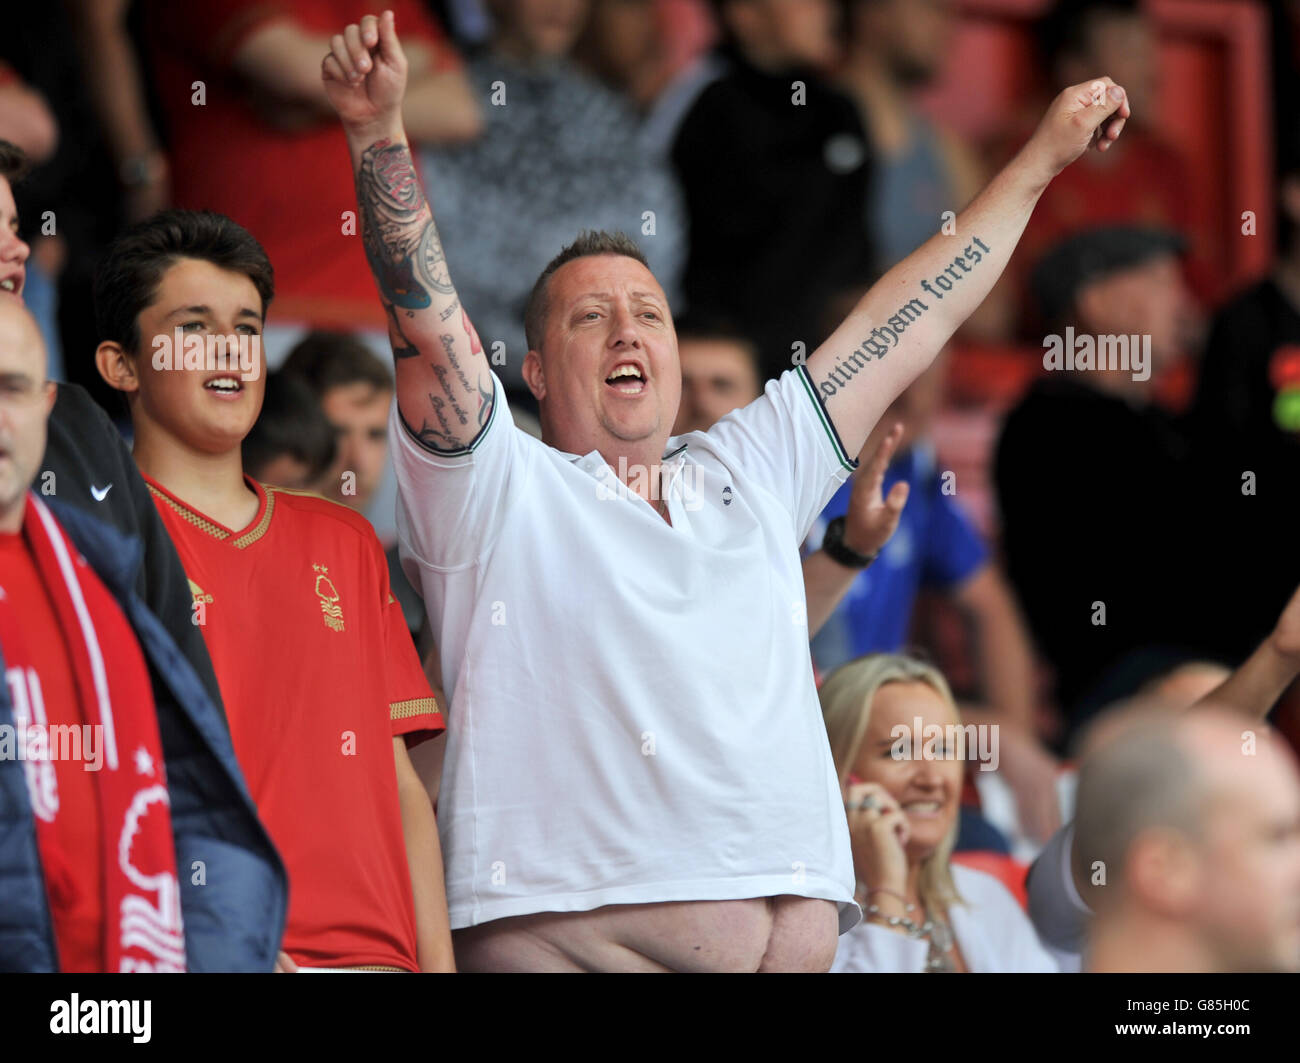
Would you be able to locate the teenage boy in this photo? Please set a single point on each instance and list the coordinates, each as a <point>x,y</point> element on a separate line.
<point>291,591</point>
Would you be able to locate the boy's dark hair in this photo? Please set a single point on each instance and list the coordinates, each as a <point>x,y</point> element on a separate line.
<point>705,326</point>
<point>129,274</point>
<point>328,360</point>
<point>587,243</point>
<point>291,422</point>
<point>13,162</point>
<point>1065,28</point>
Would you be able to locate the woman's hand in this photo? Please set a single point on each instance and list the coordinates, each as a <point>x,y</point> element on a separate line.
<point>878,832</point>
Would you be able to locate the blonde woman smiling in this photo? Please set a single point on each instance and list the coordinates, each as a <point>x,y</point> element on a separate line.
<point>921,912</point>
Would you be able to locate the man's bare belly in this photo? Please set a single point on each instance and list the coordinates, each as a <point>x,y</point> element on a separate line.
<point>784,933</point>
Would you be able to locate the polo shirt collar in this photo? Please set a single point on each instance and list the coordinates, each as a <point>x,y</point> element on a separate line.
<point>676,455</point>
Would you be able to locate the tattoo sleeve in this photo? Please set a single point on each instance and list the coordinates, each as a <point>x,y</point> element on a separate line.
<point>406,257</point>
<point>401,239</point>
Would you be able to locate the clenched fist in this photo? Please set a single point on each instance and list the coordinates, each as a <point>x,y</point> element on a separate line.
<point>1090,113</point>
<point>365,73</point>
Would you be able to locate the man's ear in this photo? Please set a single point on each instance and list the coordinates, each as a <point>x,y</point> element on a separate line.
<point>534,375</point>
<point>116,366</point>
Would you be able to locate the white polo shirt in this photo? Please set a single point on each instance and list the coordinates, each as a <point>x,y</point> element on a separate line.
<point>633,717</point>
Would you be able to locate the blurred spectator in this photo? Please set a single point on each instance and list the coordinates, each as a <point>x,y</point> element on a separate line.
<point>1102,523</point>
<point>1059,880</point>
<point>354,389</point>
<point>15,252</point>
<point>1187,842</point>
<point>1141,180</point>
<point>622,44</point>
<point>922,912</point>
<point>467,21</point>
<point>251,135</point>
<point>27,124</point>
<point>292,442</point>
<point>1247,421</point>
<point>25,118</point>
<point>111,68</point>
<point>896,49</point>
<point>774,164</point>
<point>720,372</point>
<point>560,153</point>
<point>72,205</point>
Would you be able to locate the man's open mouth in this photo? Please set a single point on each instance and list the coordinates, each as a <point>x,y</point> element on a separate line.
<point>627,378</point>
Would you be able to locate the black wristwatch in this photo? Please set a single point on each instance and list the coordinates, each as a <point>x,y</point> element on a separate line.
<point>833,544</point>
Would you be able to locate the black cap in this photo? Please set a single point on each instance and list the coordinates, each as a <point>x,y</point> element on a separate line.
<point>1092,254</point>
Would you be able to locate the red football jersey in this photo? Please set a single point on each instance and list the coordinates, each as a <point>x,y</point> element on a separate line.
<point>318,673</point>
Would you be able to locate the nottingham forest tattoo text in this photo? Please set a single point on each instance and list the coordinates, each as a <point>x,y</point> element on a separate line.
<point>884,337</point>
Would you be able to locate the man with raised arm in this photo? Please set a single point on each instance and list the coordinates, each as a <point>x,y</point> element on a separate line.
<point>636,773</point>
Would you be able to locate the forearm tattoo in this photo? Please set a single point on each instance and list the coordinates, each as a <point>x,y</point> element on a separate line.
<point>407,260</point>
<point>400,237</point>
<point>883,338</point>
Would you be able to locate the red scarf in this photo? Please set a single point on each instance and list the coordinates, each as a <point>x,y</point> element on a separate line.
<point>141,894</point>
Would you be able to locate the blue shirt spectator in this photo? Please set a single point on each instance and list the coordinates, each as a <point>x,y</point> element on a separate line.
<point>935,546</point>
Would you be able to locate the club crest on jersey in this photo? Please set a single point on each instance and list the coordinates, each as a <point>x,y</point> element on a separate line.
<point>329,599</point>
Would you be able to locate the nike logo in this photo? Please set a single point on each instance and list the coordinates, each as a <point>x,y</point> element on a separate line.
<point>100,493</point>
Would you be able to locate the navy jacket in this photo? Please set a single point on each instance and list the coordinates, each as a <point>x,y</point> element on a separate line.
<point>233,885</point>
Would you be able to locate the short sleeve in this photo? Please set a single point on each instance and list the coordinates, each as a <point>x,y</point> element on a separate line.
<point>785,441</point>
<point>413,710</point>
<point>412,707</point>
<point>450,504</point>
<point>953,548</point>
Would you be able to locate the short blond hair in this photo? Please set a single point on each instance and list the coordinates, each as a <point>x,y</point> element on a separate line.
<point>589,242</point>
<point>846,698</point>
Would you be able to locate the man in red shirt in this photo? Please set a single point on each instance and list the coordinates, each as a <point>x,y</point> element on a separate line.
<point>258,141</point>
<point>83,718</point>
<point>316,667</point>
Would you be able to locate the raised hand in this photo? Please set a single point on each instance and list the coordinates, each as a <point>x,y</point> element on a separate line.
<point>1090,113</point>
<point>871,519</point>
<point>365,72</point>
